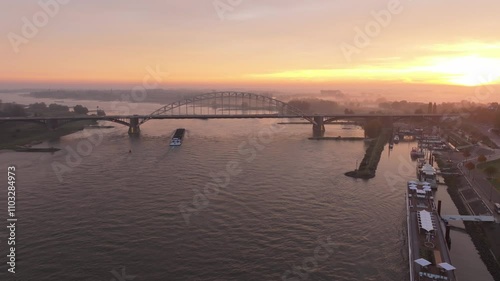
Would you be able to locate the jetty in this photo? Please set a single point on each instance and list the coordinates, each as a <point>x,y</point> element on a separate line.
<point>370,161</point>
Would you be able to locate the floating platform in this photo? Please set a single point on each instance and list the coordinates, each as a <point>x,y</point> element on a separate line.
<point>429,257</point>
<point>31,149</point>
<point>98,127</point>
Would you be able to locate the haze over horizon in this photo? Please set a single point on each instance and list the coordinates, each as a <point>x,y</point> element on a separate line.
<point>441,48</point>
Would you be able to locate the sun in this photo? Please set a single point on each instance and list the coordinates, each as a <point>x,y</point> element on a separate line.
<point>468,71</point>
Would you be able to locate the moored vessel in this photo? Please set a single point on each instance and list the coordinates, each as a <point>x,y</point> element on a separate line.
<point>396,139</point>
<point>427,173</point>
<point>429,257</point>
<point>417,153</point>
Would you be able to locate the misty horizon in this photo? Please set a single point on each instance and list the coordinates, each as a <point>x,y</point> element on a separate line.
<point>384,47</point>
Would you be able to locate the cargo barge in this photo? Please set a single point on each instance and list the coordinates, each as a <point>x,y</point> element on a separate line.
<point>177,137</point>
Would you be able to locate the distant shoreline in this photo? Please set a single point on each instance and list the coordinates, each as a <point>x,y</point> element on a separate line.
<point>18,134</point>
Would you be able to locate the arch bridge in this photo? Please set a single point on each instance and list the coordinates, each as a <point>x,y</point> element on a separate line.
<point>214,105</point>
<point>224,105</point>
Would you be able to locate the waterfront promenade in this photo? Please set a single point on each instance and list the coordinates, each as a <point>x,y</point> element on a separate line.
<point>478,194</point>
<point>479,188</point>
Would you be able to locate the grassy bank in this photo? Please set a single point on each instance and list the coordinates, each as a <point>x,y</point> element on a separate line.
<point>20,133</point>
<point>495,179</point>
<point>368,165</point>
<point>495,182</point>
<point>456,140</point>
<point>477,231</point>
<point>478,135</point>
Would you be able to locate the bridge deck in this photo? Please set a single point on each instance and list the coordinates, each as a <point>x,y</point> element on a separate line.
<point>219,116</point>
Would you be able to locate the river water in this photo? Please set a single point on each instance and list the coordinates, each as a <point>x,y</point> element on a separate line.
<point>239,200</point>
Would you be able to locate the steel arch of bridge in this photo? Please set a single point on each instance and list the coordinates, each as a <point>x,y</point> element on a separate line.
<point>282,108</point>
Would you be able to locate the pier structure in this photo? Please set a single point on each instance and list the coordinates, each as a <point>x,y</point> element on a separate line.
<point>52,124</point>
<point>134,128</point>
<point>318,126</point>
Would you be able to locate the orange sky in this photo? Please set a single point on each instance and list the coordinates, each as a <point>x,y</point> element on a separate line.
<point>254,43</point>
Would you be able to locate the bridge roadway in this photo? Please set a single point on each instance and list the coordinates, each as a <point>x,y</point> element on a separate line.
<point>221,116</point>
<point>134,121</point>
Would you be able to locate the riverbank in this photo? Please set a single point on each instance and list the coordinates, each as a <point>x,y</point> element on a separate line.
<point>16,134</point>
<point>481,234</point>
<point>368,165</point>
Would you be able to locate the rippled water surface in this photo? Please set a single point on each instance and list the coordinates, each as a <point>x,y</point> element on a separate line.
<point>117,212</point>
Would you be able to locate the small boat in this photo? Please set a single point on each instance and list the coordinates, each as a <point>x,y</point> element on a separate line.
<point>177,137</point>
<point>396,139</point>
<point>391,146</point>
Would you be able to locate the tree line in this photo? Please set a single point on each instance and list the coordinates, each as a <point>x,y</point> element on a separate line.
<point>39,109</point>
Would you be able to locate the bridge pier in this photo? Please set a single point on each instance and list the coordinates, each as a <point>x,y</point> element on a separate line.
<point>134,128</point>
<point>319,127</point>
<point>52,124</point>
<point>388,122</point>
